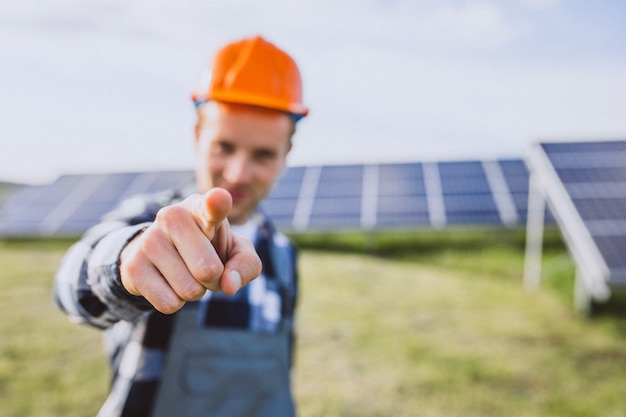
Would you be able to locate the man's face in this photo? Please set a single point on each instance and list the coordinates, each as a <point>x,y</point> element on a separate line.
<point>242,149</point>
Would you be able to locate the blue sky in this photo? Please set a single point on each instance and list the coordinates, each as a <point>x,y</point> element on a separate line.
<point>104,85</point>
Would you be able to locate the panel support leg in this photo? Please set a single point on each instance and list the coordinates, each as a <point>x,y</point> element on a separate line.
<point>534,235</point>
<point>582,295</point>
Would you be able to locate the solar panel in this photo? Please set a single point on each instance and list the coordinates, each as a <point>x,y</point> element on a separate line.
<point>584,184</point>
<point>73,203</point>
<point>329,197</point>
<point>402,196</point>
<point>337,200</point>
<point>284,196</point>
<point>467,194</point>
<point>516,176</point>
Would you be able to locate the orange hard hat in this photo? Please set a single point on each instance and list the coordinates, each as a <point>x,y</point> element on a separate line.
<point>256,72</point>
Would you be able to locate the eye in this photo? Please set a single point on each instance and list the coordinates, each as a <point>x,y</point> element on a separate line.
<point>224,147</point>
<point>264,155</point>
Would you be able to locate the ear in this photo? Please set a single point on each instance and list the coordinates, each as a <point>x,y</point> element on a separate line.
<point>197,129</point>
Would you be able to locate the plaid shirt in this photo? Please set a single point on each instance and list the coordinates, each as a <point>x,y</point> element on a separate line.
<point>88,289</point>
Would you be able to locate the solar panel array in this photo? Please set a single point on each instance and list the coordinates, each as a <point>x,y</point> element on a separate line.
<point>584,184</point>
<point>73,203</point>
<point>330,197</point>
<point>429,194</point>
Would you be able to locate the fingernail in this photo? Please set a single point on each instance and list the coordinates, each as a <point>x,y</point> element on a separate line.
<point>235,279</point>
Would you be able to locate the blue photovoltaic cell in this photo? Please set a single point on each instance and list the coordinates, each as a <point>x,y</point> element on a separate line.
<point>403,220</point>
<point>73,203</point>
<point>333,212</point>
<point>516,176</point>
<point>403,211</point>
<point>402,196</point>
<point>105,196</point>
<point>402,170</point>
<point>338,197</point>
<point>81,221</point>
<point>23,213</point>
<point>27,205</point>
<point>465,185</point>
<point>340,181</point>
<point>339,188</point>
<point>170,181</point>
<point>113,189</point>
<point>471,209</point>
<point>281,203</point>
<point>342,172</point>
<point>613,249</point>
<point>288,184</point>
<point>460,169</point>
<point>281,211</point>
<point>577,175</point>
<point>584,147</point>
<point>406,179</point>
<point>31,206</point>
<point>601,208</point>
<point>466,194</point>
<point>513,167</point>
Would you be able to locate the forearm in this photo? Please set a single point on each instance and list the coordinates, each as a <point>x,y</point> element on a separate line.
<point>87,284</point>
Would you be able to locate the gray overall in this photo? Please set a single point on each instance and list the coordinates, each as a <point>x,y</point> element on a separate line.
<point>227,372</point>
<point>224,372</point>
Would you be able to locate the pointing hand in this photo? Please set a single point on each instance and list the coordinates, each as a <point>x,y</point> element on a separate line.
<point>190,248</point>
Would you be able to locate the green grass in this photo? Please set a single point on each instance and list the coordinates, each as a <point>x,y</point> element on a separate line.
<point>426,324</point>
<point>48,367</point>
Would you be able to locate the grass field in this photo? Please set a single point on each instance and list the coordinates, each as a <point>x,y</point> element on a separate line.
<point>433,324</point>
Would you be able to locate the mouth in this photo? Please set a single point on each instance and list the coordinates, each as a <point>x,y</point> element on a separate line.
<point>237,194</point>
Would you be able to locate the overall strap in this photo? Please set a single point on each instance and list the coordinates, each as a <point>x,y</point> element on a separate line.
<point>278,256</point>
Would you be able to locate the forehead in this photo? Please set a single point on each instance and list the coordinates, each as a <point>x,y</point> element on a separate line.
<point>244,120</point>
<point>245,127</point>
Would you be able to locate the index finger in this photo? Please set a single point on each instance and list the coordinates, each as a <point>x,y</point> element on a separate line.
<point>211,209</point>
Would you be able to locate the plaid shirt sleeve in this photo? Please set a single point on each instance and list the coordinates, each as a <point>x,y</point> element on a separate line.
<point>87,285</point>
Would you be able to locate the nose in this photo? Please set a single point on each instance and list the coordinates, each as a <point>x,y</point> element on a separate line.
<point>238,170</point>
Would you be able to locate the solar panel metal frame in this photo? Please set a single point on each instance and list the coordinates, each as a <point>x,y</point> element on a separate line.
<point>595,280</point>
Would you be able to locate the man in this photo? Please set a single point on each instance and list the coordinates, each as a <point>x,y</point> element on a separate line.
<point>189,331</point>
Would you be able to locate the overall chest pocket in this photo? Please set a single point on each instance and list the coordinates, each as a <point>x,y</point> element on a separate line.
<point>233,360</point>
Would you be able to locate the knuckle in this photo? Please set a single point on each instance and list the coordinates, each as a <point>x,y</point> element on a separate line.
<point>166,302</point>
<point>130,269</point>
<point>170,216</point>
<point>206,270</point>
<point>258,266</point>
<point>191,292</point>
<point>169,306</point>
<point>149,241</point>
